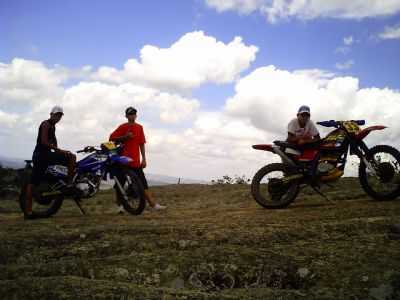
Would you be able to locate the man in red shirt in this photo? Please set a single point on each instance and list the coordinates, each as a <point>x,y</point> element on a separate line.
<point>132,136</point>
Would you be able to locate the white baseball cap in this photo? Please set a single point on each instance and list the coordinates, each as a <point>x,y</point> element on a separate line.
<point>56,110</point>
<point>304,109</point>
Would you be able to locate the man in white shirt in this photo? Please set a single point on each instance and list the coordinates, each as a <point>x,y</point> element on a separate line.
<point>302,130</point>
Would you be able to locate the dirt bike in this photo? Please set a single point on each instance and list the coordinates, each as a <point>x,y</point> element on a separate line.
<point>100,164</point>
<point>317,163</point>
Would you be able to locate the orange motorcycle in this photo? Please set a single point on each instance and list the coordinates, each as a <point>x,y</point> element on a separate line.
<point>276,185</point>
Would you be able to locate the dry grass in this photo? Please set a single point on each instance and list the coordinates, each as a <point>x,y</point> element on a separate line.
<point>213,242</point>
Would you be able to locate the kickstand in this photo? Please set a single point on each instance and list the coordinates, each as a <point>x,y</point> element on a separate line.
<point>322,195</point>
<point>77,201</point>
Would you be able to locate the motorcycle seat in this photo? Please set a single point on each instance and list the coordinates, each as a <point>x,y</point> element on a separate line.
<point>285,144</point>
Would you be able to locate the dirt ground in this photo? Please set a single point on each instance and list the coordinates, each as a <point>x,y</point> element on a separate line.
<point>213,242</point>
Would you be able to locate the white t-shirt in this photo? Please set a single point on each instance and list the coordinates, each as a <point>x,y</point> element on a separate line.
<point>310,128</point>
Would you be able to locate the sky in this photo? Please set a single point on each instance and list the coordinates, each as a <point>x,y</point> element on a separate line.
<point>209,78</point>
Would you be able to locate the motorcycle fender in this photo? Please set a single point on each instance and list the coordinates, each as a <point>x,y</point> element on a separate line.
<point>363,133</point>
<point>264,147</point>
<point>124,160</point>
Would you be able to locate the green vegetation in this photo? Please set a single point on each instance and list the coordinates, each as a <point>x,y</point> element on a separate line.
<point>213,242</point>
<point>9,179</point>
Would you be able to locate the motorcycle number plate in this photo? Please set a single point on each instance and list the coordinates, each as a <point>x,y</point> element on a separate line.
<point>351,126</point>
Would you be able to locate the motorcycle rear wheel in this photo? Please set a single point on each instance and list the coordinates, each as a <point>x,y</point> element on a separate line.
<point>385,185</point>
<point>39,210</point>
<point>272,192</point>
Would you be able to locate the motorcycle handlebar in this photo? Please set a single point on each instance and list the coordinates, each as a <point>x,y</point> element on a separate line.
<point>360,122</point>
<point>86,149</point>
<point>330,123</point>
<point>333,123</point>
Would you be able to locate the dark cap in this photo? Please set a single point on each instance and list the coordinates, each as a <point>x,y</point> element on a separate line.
<point>130,111</point>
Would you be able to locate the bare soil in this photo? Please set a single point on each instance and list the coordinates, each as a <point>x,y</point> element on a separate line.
<point>213,242</point>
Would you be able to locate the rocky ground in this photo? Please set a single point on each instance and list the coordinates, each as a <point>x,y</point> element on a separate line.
<point>213,242</point>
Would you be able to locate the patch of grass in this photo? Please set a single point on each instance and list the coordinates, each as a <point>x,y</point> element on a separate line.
<point>213,242</point>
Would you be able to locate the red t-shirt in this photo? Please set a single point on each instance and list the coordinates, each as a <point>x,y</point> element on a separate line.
<point>131,146</point>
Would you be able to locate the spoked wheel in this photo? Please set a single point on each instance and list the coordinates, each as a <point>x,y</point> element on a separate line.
<point>381,180</point>
<point>134,190</point>
<point>42,206</point>
<point>272,187</point>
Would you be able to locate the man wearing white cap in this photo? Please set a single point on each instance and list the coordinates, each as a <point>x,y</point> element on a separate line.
<point>47,153</point>
<point>302,130</point>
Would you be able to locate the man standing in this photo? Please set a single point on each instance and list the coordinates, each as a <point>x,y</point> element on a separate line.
<point>302,130</point>
<point>132,136</point>
<point>47,153</point>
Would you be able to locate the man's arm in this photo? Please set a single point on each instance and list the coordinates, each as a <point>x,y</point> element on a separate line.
<point>118,137</point>
<point>143,153</point>
<point>121,138</point>
<point>314,132</point>
<point>302,139</point>
<point>308,139</point>
<point>293,139</point>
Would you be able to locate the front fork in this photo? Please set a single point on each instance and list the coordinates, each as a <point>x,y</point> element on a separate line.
<point>120,187</point>
<point>361,150</point>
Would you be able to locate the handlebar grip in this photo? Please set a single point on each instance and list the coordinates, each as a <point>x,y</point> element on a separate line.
<point>86,149</point>
<point>330,123</point>
<point>360,122</point>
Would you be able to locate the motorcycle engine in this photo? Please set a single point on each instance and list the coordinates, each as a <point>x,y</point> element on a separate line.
<point>88,184</point>
<point>325,167</point>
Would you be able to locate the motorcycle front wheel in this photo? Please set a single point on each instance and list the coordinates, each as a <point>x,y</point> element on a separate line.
<point>133,188</point>
<point>382,179</point>
<point>270,189</point>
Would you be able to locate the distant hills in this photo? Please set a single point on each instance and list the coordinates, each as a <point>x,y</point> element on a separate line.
<point>165,179</point>
<point>13,163</point>
<point>158,180</point>
<point>153,179</point>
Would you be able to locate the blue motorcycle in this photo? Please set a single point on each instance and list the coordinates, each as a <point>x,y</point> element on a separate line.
<point>100,164</point>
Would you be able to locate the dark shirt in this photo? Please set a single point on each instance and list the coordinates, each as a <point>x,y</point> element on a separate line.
<point>41,146</point>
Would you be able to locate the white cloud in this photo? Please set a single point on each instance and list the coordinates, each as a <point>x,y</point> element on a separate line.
<point>390,33</point>
<point>345,65</point>
<point>219,142</point>
<point>25,81</point>
<point>193,60</point>
<point>269,98</point>
<point>277,9</point>
<point>7,119</point>
<point>343,50</point>
<point>242,6</point>
<point>182,139</point>
<point>210,144</point>
<point>92,109</point>
<point>348,41</point>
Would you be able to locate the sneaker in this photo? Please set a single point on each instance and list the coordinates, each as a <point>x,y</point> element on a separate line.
<point>120,210</point>
<point>158,207</point>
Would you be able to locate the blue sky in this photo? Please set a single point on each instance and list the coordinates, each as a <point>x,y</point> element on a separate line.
<point>76,33</point>
<point>73,34</point>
